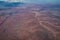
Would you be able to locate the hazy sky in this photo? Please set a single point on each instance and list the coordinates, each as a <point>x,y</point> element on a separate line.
<point>54,1</point>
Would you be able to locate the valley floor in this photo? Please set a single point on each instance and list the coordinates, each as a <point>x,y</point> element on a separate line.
<point>30,22</point>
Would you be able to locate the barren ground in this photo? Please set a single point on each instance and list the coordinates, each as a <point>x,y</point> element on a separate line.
<point>30,22</point>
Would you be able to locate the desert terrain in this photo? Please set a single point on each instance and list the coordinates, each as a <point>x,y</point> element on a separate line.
<point>30,22</point>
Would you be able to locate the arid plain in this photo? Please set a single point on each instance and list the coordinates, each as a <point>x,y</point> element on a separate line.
<point>30,22</point>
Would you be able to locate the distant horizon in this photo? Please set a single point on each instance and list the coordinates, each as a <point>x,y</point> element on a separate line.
<point>34,1</point>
